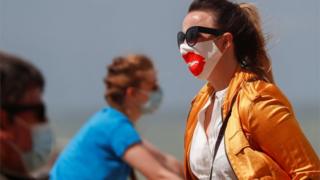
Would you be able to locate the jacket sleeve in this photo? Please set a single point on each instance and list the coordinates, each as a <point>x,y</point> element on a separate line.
<point>275,129</point>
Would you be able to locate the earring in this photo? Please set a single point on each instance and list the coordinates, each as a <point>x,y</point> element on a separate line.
<point>244,62</point>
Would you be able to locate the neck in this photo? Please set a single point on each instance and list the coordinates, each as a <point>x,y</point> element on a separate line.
<point>131,112</point>
<point>223,72</point>
<point>133,117</point>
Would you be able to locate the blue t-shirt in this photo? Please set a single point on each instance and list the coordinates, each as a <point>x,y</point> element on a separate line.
<point>96,151</point>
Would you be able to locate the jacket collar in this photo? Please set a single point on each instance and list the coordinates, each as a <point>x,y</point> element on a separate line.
<point>239,78</point>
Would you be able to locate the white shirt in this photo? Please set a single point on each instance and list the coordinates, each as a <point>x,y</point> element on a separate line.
<point>202,148</point>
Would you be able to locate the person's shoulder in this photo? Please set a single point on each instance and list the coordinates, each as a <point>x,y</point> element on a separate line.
<point>111,116</point>
<point>108,113</point>
<point>258,90</point>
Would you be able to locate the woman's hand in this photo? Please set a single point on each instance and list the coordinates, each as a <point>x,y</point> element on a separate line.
<point>167,160</point>
<point>141,159</point>
<point>173,164</point>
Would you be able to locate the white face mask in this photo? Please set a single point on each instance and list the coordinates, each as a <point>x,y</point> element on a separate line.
<point>201,58</point>
<point>153,103</point>
<point>42,145</point>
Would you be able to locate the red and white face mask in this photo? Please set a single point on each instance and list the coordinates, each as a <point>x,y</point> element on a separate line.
<point>201,58</point>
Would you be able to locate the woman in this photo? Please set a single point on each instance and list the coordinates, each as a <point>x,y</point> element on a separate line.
<point>108,146</point>
<point>240,125</point>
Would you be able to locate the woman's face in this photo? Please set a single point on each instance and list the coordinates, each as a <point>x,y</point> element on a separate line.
<point>202,46</point>
<point>137,97</point>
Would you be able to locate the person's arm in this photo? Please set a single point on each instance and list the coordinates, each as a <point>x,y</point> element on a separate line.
<point>167,160</point>
<point>127,144</point>
<point>140,158</point>
<point>275,129</point>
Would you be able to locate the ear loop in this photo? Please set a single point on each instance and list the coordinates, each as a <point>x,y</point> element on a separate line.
<point>244,63</point>
<point>225,47</point>
<point>225,43</point>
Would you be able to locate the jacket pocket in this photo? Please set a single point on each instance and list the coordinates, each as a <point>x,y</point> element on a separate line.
<point>252,164</point>
<point>248,163</point>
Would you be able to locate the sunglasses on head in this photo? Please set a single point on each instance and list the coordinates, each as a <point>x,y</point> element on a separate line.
<point>192,34</point>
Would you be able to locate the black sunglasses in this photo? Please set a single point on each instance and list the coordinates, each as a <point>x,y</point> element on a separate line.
<point>192,34</point>
<point>38,109</point>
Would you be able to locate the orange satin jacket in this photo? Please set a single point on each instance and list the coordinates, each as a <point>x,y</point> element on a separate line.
<point>263,138</point>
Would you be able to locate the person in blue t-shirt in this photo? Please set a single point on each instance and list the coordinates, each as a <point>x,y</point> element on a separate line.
<point>108,146</point>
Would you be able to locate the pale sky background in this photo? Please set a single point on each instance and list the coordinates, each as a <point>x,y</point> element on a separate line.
<point>72,42</point>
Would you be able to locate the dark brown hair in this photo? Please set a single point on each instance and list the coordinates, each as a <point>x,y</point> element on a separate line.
<point>124,72</point>
<point>243,22</point>
<point>17,76</point>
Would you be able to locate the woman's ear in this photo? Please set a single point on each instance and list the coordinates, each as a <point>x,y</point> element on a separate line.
<point>130,91</point>
<point>228,40</point>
